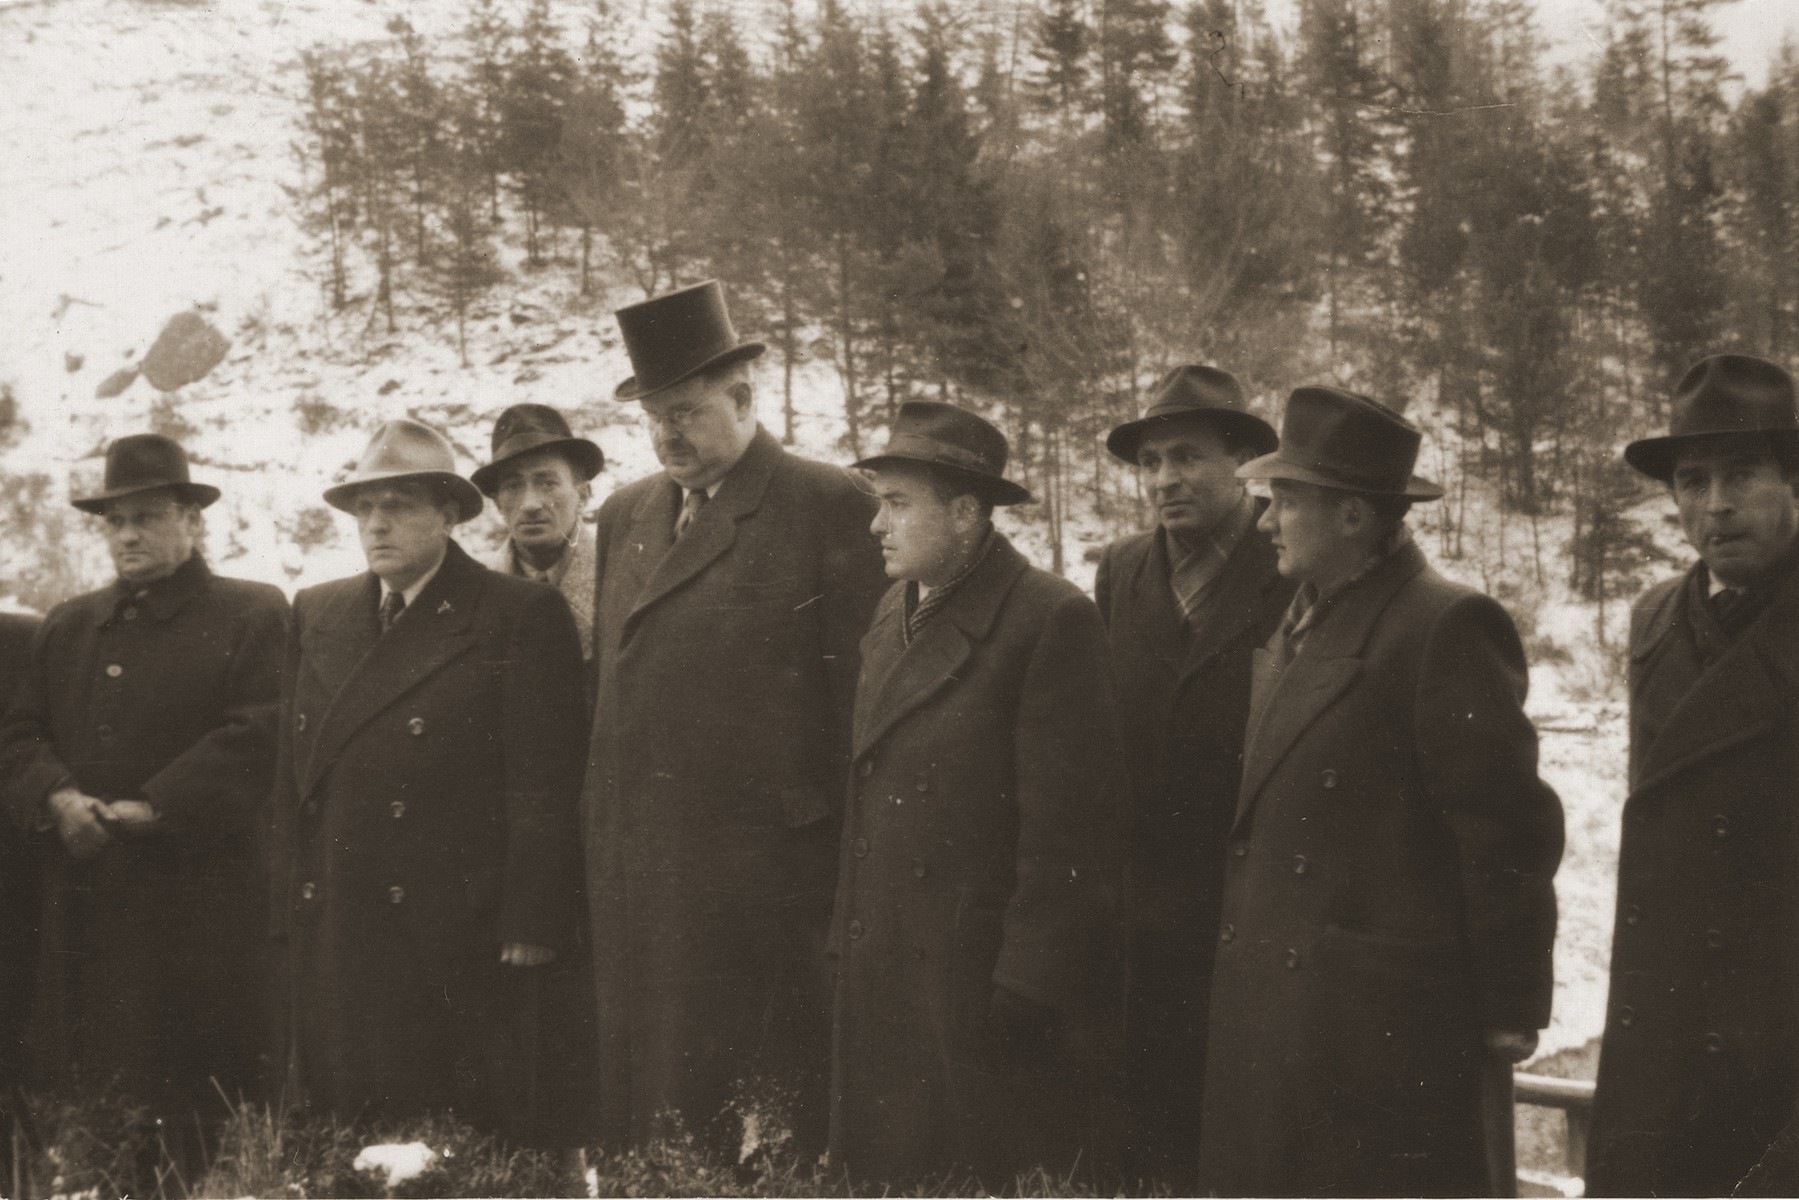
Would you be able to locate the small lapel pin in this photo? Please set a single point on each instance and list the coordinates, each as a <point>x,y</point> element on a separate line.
<point>444,606</point>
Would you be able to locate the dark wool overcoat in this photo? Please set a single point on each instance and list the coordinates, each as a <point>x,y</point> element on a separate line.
<point>425,816</point>
<point>983,847</point>
<point>727,666</point>
<point>152,949</point>
<point>1183,701</point>
<point>1697,1073</point>
<point>1388,895</point>
<point>19,902</point>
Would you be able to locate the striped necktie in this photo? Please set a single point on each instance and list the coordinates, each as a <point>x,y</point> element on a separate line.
<point>690,511</point>
<point>392,604</point>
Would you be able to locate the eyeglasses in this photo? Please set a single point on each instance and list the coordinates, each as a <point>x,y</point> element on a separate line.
<point>680,419</point>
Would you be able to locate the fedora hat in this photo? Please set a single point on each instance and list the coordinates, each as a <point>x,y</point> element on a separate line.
<point>674,337</point>
<point>1348,441</point>
<point>1195,393</point>
<point>145,462</point>
<point>955,440</point>
<point>527,428</point>
<point>405,449</point>
<point>1723,394</point>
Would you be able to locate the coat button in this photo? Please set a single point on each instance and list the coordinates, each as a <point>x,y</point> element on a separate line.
<point>1632,914</point>
<point>310,808</point>
<point>861,847</point>
<point>308,890</point>
<point>919,871</point>
<point>922,783</point>
<point>1329,778</point>
<point>855,929</point>
<point>1239,849</point>
<point>1714,1042</point>
<point>1720,826</point>
<point>131,614</point>
<point>1300,865</point>
<point>396,894</point>
<point>865,768</point>
<point>1292,960</point>
<point>300,723</point>
<point>1627,1016</point>
<point>1228,933</point>
<point>1714,938</point>
<point>416,725</point>
<point>105,732</point>
<point>114,670</point>
<point>398,808</point>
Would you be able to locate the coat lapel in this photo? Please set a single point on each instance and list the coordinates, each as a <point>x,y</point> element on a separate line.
<point>1322,671</point>
<point>1248,578</point>
<point>433,631</point>
<point>714,530</point>
<point>1738,698</point>
<point>1154,617</point>
<point>923,668</point>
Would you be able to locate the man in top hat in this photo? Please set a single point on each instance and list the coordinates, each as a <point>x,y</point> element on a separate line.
<point>540,478</point>
<point>431,741</point>
<point>138,752</point>
<point>1697,1069</point>
<point>980,962</point>
<point>1389,909</point>
<point>1185,604</point>
<point>733,587</point>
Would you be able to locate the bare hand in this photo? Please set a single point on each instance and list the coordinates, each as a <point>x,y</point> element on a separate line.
<point>79,818</point>
<point>522,954</point>
<point>1512,1045</point>
<point>133,817</point>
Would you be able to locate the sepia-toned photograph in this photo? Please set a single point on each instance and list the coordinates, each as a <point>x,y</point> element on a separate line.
<point>899,597</point>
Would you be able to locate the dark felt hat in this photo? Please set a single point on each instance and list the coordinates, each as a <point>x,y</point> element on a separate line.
<point>955,440</point>
<point>1348,441</point>
<point>1723,394</point>
<point>403,450</point>
<point>1195,393</point>
<point>675,337</point>
<point>527,428</point>
<point>145,462</point>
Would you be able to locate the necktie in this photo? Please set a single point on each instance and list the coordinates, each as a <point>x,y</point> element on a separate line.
<point>391,606</point>
<point>690,510</point>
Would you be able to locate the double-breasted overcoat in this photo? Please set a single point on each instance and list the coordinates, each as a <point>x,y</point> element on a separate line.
<point>987,813</point>
<point>1388,896</point>
<point>150,964</point>
<point>1697,1070</point>
<point>1183,702</point>
<point>726,664</point>
<point>425,817</point>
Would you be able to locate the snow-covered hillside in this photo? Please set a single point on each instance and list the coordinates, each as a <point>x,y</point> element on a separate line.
<point>147,147</point>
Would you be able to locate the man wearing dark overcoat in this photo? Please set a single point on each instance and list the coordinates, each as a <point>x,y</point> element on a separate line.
<point>19,908</point>
<point>733,587</point>
<point>138,751</point>
<point>979,953</point>
<point>431,742</point>
<point>1185,605</point>
<point>1389,908</point>
<point>1697,1069</point>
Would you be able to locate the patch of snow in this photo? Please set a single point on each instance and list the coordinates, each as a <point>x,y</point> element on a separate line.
<point>400,1162</point>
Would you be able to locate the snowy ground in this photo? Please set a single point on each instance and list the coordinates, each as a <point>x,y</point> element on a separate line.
<point>146,148</point>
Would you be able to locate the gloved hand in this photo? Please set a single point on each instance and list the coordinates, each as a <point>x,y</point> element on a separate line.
<point>1021,1033</point>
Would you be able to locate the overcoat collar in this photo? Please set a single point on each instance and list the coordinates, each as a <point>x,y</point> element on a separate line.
<point>897,677</point>
<point>578,578</point>
<point>165,597</point>
<point>1745,692</point>
<point>1285,703</point>
<point>712,532</point>
<point>366,671</point>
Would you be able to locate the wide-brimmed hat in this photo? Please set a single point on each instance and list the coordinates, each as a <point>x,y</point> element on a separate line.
<point>1195,393</point>
<point>955,440</point>
<point>1347,441</point>
<point>1723,394</point>
<point>527,428</point>
<point>676,336</point>
<point>145,462</point>
<point>405,449</point>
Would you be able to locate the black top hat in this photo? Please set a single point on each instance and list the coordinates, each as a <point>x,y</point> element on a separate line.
<point>1193,393</point>
<point>1347,441</point>
<point>1726,393</point>
<point>956,440</point>
<point>144,462</point>
<point>526,428</point>
<point>403,449</point>
<point>675,337</point>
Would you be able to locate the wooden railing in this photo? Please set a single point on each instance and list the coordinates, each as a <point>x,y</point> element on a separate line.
<point>1575,1098</point>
